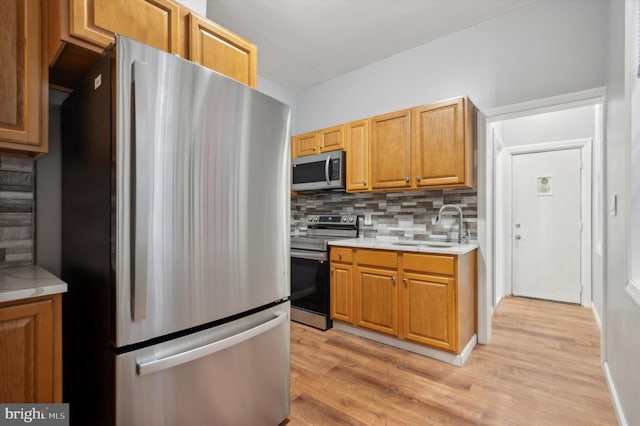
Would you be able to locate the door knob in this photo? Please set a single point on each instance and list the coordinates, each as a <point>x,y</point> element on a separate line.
<point>518,237</point>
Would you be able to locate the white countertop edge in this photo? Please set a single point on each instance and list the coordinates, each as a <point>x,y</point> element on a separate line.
<point>24,282</point>
<point>374,243</point>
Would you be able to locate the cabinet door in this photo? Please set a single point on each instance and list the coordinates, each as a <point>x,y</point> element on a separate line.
<point>439,153</point>
<point>223,51</point>
<point>341,292</point>
<point>357,148</point>
<point>332,139</point>
<point>391,150</point>
<point>27,353</point>
<point>306,144</point>
<point>23,80</point>
<point>428,310</point>
<point>377,300</point>
<point>153,22</point>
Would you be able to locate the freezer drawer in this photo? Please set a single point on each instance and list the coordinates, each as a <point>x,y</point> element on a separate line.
<point>233,374</point>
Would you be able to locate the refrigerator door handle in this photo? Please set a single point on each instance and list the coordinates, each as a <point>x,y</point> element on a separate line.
<point>139,188</point>
<point>150,367</point>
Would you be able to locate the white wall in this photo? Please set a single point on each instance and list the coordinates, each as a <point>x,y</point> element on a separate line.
<point>574,123</point>
<point>545,49</point>
<point>282,94</point>
<point>621,313</point>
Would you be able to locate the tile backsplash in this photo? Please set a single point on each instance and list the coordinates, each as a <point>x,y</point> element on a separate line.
<point>401,215</point>
<point>16,211</point>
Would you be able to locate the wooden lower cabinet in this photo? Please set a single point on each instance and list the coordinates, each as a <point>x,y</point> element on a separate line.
<point>428,299</point>
<point>377,299</point>
<point>341,292</point>
<point>428,310</point>
<point>31,350</point>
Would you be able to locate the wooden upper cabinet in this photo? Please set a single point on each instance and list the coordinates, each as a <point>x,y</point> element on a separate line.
<point>306,144</point>
<point>357,148</point>
<point>390,141</point>
<point>332,139</point>
<point>153,22</point>
<point>442,144</point>
<point>80,30</point>
<point>221,50</point>
<point>24,88</point>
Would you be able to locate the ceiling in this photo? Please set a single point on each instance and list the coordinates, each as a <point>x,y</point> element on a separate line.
<point>305,42</point>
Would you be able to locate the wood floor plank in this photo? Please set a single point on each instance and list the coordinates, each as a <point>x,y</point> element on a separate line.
<point>542,368</point>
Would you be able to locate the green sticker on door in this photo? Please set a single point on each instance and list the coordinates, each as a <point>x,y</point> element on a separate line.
<point>545,185</point>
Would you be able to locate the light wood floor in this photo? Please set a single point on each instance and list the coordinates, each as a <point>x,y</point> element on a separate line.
<point>541,368</point>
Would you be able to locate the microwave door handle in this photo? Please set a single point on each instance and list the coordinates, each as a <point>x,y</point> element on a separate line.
<point>326,169</point>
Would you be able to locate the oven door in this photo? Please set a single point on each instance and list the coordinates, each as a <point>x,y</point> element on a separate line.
<point>310,287</point>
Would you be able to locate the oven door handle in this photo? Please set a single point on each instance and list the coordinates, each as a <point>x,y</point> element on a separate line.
<point>310,255</point>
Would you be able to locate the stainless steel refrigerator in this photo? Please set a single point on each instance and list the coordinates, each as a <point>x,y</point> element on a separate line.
<point>175,229</point>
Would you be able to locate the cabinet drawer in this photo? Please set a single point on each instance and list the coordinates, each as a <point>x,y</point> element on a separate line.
<point>435,264</point>
<point>383,259</point>
<point>341,254</point>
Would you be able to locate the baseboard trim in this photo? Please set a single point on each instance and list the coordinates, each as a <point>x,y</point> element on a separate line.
<point>457,360</point>
<point>596,317</point>
<point>622,421</point>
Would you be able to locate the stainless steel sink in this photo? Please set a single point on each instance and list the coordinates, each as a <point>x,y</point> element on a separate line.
<point>425,243</point>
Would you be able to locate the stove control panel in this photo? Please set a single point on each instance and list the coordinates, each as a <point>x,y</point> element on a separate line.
<point>328,220</point>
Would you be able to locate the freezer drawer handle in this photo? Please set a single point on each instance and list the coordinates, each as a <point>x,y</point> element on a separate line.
<point>149,367</point>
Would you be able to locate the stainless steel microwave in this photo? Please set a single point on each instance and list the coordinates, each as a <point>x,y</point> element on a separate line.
<point>320,171</point>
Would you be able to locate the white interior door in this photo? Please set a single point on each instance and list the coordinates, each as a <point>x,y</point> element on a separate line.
<point>546,225</point>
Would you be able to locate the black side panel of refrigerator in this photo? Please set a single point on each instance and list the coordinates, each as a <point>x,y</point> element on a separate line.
<point>88,370</point>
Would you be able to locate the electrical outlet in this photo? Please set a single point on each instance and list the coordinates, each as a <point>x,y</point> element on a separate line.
<point>367,219</point>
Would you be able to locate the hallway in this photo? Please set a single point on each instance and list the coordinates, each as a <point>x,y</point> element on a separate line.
<point>542,367</point>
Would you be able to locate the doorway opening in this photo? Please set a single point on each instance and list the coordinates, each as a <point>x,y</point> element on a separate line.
<point>568,123</point>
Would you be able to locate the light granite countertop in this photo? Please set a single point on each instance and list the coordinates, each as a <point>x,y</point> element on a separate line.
<point>413,246</point>
<point>23,282</point>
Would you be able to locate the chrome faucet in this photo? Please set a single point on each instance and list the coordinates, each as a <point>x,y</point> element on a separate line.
<point>439,217</point>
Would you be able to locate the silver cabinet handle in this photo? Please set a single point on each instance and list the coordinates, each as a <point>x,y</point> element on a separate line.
<point>404,281</point>
<point>314,148</point>
<point>159,364</point>
<point>364,182</point>
<point>340,255</point>
<point>140,182</point>
<point>326,169</point>
<point>321,146</point>
<point>393,280</point>
<point>418,178</point>
<point>406,179</point>
<point>518,237</point>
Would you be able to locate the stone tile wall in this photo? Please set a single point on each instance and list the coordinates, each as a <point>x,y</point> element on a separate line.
<point>401,215</point>
<point>16,211</point>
